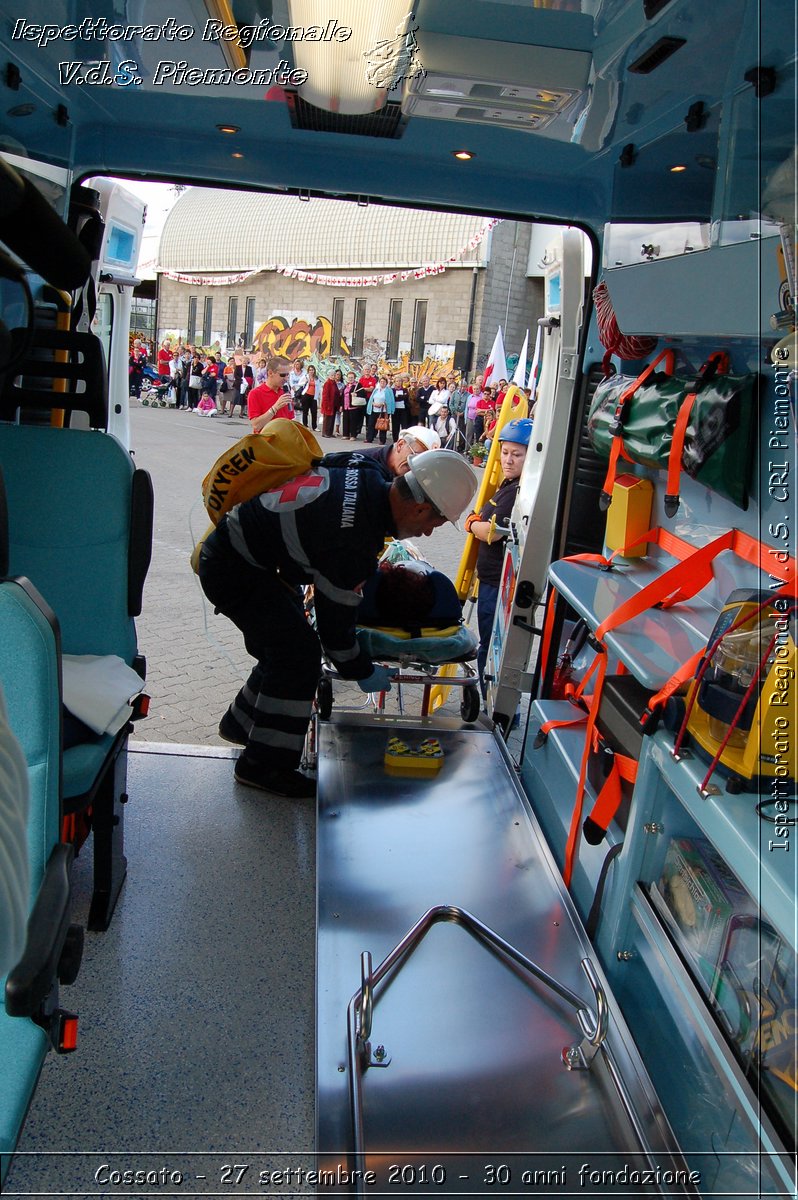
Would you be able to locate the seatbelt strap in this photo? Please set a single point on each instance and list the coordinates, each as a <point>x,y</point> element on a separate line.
<point>622,768</point>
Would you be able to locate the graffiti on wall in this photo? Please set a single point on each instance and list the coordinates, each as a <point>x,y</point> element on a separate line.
<point>297,339</point>
<point>313,342</point>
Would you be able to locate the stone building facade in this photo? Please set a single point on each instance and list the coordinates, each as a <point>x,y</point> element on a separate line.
<point>401,286</point>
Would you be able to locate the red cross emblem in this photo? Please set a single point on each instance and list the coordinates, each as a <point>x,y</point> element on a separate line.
<point>290,491</point>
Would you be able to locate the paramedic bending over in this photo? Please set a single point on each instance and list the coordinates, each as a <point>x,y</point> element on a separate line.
<point>326,528</point>
<point>491,526</point>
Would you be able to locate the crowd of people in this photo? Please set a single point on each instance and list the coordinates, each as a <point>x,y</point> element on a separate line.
<point>369,404</point>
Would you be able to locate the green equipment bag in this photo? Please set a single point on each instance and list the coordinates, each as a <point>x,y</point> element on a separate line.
<point>702,426</point>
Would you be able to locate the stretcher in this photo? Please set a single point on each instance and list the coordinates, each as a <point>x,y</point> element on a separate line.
<point>440,648</point>
<point>438,655</point>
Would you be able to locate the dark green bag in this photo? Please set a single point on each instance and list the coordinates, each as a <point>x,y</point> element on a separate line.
<point>718,436</point>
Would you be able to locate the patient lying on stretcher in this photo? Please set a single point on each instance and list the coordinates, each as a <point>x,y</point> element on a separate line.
<point>411,611</point>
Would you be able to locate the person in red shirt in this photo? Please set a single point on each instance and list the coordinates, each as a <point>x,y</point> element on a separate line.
<point>269,399</point>
<point>367,383</point>
<point>165,360</point>
<point>332,398</point>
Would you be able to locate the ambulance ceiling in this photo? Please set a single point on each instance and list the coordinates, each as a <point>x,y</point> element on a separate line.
<point>546,95</point>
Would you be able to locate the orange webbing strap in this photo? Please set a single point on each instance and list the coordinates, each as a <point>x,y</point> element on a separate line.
<point>717,363</point>
<point>579,700</point>
<point>548,632</point>
<point>671,499</point>
<point>622,768</point>
<point>679,583</point>
<point>547,727</point>
<point>616,429</point>
<point>600,662</point>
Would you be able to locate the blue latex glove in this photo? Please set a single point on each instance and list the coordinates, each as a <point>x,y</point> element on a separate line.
<point>379,680</point>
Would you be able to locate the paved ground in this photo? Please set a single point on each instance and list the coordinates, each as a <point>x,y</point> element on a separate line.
<point>195,660</point>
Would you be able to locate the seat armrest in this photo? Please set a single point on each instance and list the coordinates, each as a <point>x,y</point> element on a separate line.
<point>30,982</point>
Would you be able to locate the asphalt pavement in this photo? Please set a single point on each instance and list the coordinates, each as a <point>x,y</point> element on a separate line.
<point>196,661</point>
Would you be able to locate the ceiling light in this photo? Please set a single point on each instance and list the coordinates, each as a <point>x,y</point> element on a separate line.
<point>236,154</point>
<point>464,155</point>
<point>229,128</point>
<point>338,67</point>
<point>679,167</point>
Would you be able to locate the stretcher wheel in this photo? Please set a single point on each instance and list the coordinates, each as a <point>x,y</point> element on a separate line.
<point>324,699</point>
<point>470,704</point>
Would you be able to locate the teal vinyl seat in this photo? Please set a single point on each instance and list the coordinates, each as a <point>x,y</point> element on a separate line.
<point>31,1020</point>
<point>80,528</point>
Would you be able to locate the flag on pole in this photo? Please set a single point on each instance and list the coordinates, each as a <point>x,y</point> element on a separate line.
<point>496,367</point>
<point>519,377</point>
<point>533,370</point>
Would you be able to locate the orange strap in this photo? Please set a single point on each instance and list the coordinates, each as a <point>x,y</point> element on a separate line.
<point>616,449</point>
<point>716,364</point>
<point>622,768</point>
<point>691,573</point>
<point>600,662</point>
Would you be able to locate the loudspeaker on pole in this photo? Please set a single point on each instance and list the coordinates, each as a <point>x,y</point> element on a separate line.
<point>463,354</point>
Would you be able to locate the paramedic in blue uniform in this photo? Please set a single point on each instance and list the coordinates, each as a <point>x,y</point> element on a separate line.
<point>491,526</point>
<point>393,459</point>
<point>326,528</point>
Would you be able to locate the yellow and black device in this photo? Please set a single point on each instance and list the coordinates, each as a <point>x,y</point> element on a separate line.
<point>743,703</point>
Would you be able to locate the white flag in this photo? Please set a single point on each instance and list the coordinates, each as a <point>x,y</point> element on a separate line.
<point>533,370</point>
<point>519,377</point>
<point>496,368</point>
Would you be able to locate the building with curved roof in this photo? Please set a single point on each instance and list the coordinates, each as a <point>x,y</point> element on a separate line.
<point>336,279</point>
<point>256,231</point>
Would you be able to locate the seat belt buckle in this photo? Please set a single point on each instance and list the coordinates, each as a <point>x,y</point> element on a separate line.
<point>607,760</point>
<point>649,721</point>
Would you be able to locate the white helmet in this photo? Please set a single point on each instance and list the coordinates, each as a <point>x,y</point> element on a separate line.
<point>444,479</point>
<point>419,433</point>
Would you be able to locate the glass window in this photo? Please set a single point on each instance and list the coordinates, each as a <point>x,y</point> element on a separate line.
<point>191,323</point>
<point>249,321</point>
<point>232,320</point>
<point>394,321</point>
<point>359,327</point>
<point>336,344</point>
<point>419,331</point>
<point>207,317</point>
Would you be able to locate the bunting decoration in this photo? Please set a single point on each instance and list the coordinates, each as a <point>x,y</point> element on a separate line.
<point>211,280</point>
<point>340,281</point>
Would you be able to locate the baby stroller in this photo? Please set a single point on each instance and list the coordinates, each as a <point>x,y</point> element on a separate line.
<point>154,394</point>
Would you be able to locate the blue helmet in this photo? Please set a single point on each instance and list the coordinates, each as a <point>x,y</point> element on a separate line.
<point>519,431</point>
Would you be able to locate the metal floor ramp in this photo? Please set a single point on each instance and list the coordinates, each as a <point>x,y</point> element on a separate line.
<point>456,1044</point>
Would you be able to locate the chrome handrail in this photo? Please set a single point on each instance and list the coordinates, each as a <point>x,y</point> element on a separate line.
<point>593,1024</point>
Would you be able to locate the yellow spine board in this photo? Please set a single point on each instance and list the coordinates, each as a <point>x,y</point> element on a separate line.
<point>514,407</point>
